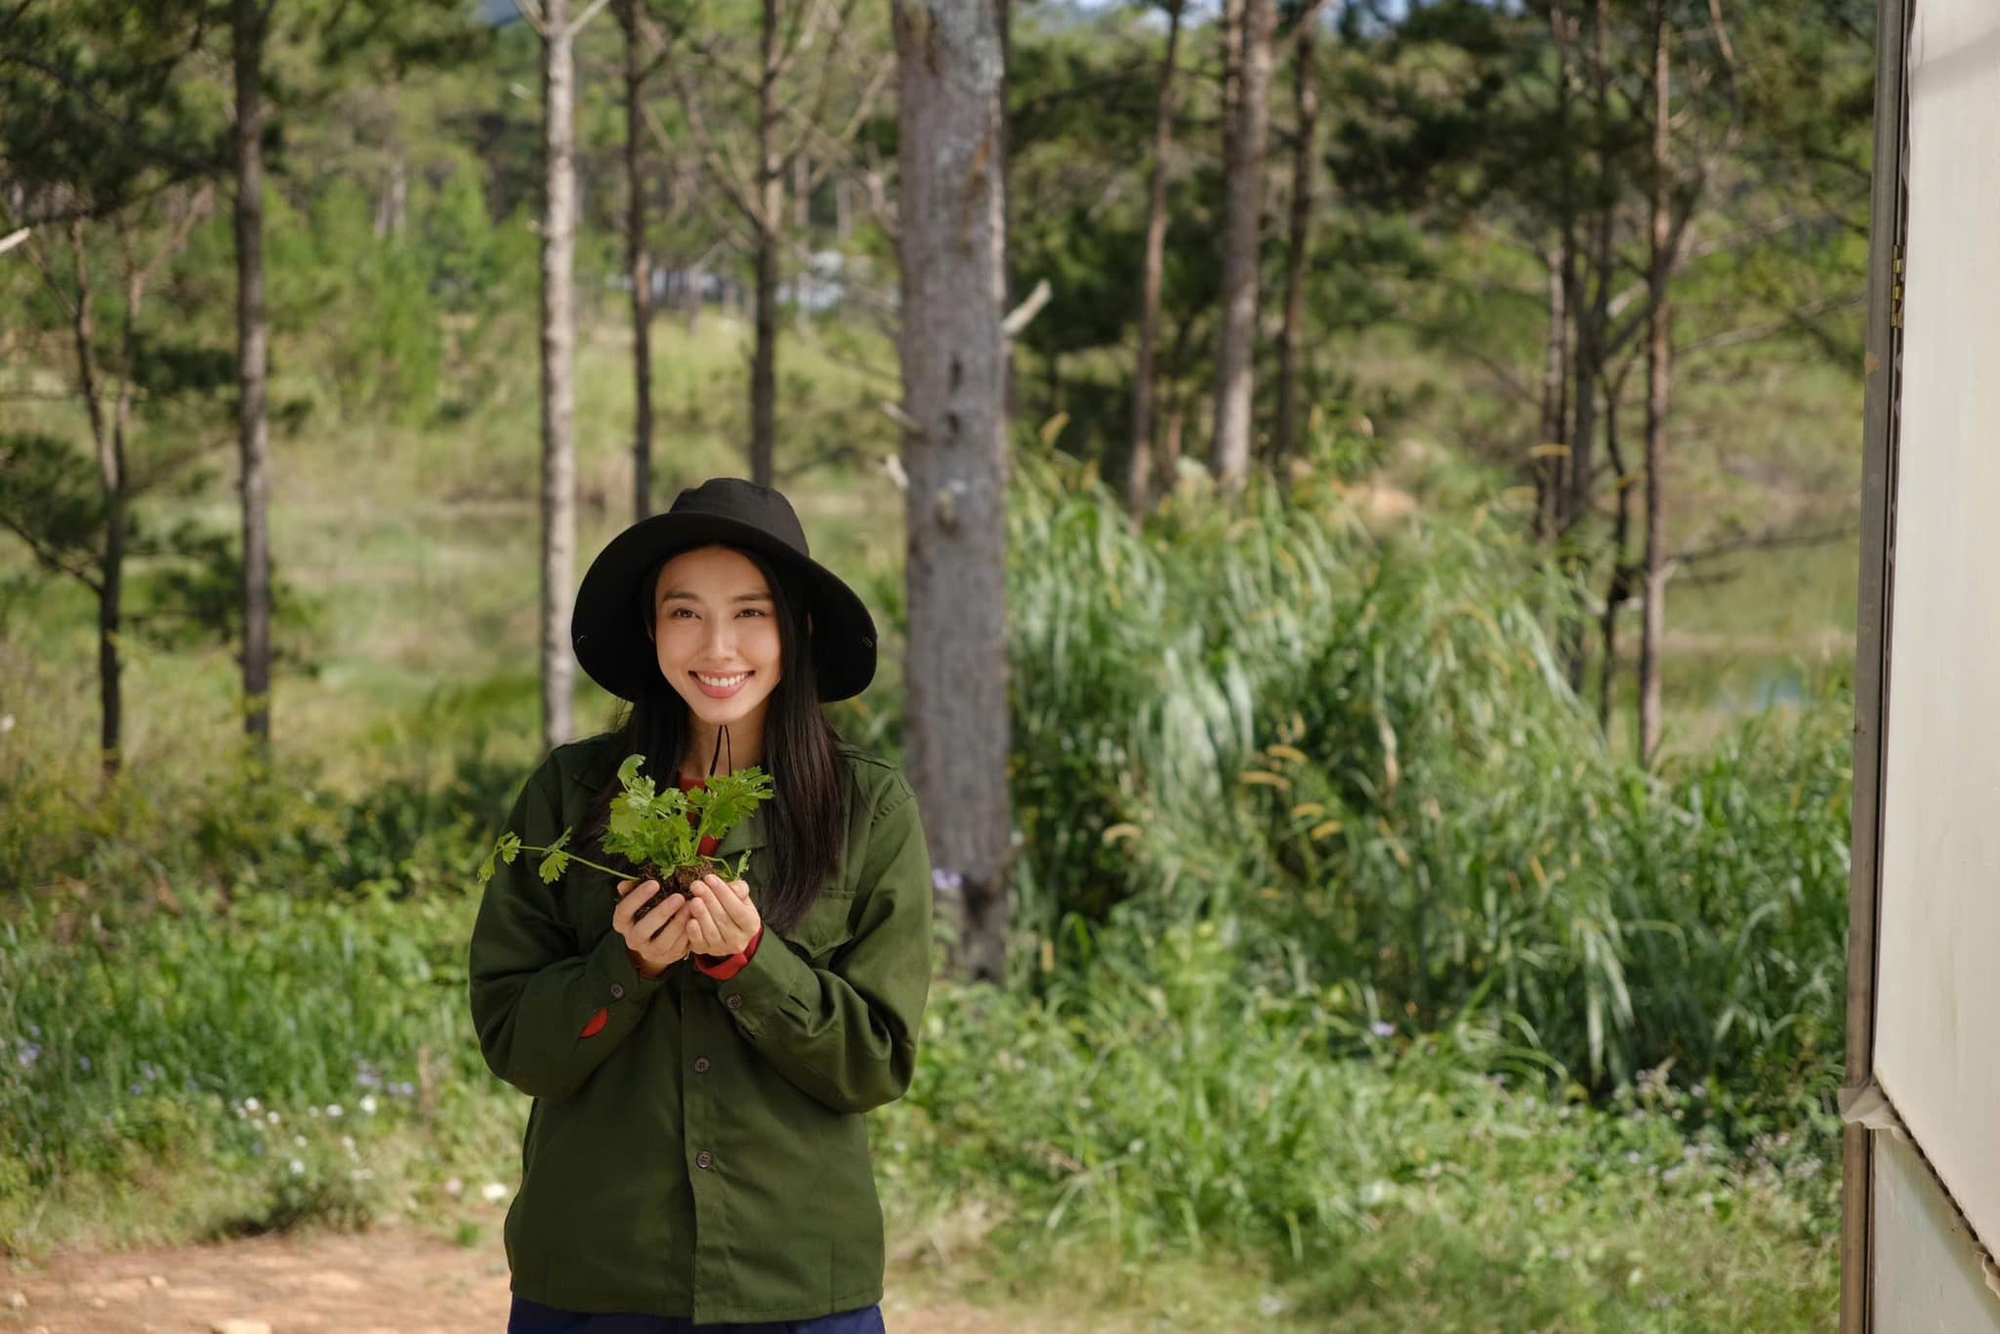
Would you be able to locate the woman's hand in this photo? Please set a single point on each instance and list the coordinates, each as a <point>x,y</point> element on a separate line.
<point>660,936</point>
<point>721,918</point>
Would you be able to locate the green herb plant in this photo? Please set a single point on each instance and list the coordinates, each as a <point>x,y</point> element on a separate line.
<point>651,829</point>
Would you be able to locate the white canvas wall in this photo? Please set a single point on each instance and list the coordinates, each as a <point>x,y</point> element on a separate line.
<point>1937,1001</point>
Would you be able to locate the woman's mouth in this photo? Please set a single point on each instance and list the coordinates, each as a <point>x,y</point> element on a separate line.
<point>720,687</point>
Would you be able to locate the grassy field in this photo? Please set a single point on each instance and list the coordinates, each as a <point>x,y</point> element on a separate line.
<point>1191,1129</point>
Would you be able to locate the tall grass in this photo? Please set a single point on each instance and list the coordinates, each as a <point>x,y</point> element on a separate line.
<point>1355,753</point>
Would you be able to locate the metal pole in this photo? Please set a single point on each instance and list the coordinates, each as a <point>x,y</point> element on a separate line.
<point>1883,386</point>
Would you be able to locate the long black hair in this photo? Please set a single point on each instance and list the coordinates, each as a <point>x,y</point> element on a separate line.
<point>806,817</point>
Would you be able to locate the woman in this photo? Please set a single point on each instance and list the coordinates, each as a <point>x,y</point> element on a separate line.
<point>695,1157</point>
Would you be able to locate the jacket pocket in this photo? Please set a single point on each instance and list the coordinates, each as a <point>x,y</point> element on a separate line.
<point>827,925</point>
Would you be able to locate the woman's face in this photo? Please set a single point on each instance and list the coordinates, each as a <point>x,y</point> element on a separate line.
<point>715,627</point>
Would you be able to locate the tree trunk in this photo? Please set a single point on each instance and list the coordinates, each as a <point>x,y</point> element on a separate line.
<point>640,263</point>
<point>1243,175</point>
<point>770,222</point>
<point>558,372</point>
<point>1555,401</point>
<point>1619,587</point>
<point>1139,470</point>
<point>953,358</point>
<point>1291,345</point>
<point>111,473</point>
<point>1658,373</point>
<point>252,368</point>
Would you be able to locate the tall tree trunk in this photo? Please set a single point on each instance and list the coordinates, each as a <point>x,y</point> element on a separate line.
<point>770,222</point>
<point>1139,472</point>
<point>1291,343</point>
<point>111,474</point>
<point>558,371</point>
<point>639,260</point>
<point>1619,587</point>
<point>1555,401</point>
<point>953,357</point>
<point>252,368</point>
<point>1243,175</point>
<point>1552,477</point>
<point>1659,371</point>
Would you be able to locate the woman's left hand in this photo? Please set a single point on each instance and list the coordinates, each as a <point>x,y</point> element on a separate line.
<point>721,918</point>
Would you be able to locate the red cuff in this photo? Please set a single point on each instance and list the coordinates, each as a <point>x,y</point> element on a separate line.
<point>596,1024</point>
<point>722,969</point>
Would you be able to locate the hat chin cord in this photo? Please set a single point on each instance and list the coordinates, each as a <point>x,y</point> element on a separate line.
<point>722,739</point>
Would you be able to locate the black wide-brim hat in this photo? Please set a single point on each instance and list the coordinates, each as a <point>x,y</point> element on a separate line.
<point>608,625</point>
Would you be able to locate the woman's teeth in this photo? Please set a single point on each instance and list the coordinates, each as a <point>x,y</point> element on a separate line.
<point>721,682</point>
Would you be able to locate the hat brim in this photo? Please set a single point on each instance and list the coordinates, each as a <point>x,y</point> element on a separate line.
<point>608,634</point>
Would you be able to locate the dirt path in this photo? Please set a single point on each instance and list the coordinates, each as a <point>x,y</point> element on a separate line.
<point>384,1282</point>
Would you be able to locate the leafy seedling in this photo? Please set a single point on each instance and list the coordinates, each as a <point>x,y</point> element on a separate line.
<point>651,829</point>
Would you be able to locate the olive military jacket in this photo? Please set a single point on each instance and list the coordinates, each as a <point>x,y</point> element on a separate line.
<point>703,1154</point>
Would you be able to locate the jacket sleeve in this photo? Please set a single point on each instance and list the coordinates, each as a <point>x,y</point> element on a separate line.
<point>532,993</point>
<point>847,1034</point>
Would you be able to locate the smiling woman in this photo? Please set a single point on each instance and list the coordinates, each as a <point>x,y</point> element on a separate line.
<point>696,1150</point>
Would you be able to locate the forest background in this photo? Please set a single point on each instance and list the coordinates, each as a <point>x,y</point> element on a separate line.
<point>1423,499</point>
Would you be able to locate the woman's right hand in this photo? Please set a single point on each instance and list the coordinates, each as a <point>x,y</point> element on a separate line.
<point>657,938</point>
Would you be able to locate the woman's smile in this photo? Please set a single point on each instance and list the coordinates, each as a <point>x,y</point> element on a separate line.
<point>720,687</point>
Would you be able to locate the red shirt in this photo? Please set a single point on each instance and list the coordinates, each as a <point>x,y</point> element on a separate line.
<point>719,967</point>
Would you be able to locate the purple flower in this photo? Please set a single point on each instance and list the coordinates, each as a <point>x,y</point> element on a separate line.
<point>1382,1028</point>
<point>84,1061</point>
<point>368,1079</point>
<point>942,880</point>
<point>30,1052</point>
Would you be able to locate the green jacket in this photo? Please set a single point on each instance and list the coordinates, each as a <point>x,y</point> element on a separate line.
<point>703,1154</point>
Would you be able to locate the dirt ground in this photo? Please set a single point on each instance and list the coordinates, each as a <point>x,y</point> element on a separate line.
<point>383,1282</point>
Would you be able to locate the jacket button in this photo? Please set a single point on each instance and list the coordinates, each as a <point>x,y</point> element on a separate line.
<point>702,1159</point>
<point>617,991</point>
<point>734,1001</point>
<point>701,1065</point>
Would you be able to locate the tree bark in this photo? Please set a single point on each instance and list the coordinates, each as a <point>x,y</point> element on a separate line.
<point>1555,401</point>
<point>558,371</point>
<point>770,223</point>
<point>1291,344</point>
<point>639,261</point>
<point>1619,588</point>
<point>1659,371</point>
<point>1243,175</point>
<point>111,474</point>
<point>953,357</point>
<point>1139,471</point>
<point>252,370</point>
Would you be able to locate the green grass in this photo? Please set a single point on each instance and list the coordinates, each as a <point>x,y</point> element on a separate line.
<point>1537,924</point>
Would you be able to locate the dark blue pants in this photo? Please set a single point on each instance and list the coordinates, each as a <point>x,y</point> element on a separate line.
<point>533,1318</point>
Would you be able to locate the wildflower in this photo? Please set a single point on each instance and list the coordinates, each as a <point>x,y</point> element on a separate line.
<point>312,1112</point>
<point>368,1079</point>
<point>137,1089</point>
<point>361,1174</point>
<point>272,1117</point>
<point>368,1103</point>
<point>250,1103</point>
<point>943,880</point>
<point>30,1053</point>
<point>493,1192</point>
<point>405,1090</point>
<point>299,1141</point>
<point>298,1168</point>
<point>84,1061</point>
<point>257,1149</point>
<point>454,1188</point>
<point>34,1030</point>
<point>347,1143</point>
<point>1382,1028</point>
<point>333,1110</point>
